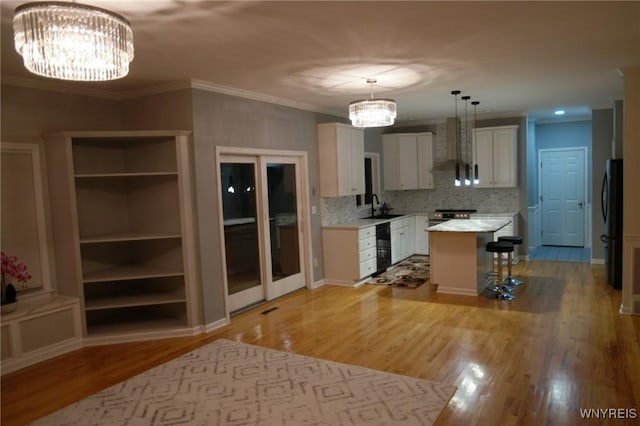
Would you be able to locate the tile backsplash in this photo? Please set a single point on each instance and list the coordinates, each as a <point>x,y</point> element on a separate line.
<point>443,196</point>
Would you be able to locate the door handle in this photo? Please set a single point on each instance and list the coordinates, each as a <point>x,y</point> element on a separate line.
<point>580,204</point>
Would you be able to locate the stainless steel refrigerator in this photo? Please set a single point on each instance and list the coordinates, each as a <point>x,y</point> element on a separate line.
<point>612,215</point>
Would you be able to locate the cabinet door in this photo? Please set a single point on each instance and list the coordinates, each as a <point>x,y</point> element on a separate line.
<point>504,158</point>
<point>390,162</point>
<point>356,144</point>
<point>483,157</point>
<point>407,162</point>
<point>425,161</point>
<point>410,237</point>
<point>422,236</point>
<point>345,167</point>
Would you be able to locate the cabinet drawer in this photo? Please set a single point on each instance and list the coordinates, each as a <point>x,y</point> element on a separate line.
<point>367,243</point>
<point>367,232</point>
<point>367,254</point>
<point>368,268</point>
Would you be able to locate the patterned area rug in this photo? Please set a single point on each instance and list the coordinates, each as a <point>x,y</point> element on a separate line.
<point>409,273</point>
<point>231,383</point>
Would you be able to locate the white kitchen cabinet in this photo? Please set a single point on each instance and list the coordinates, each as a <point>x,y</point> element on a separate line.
<point>341,150</point>
<point>495,153</point>
<point>349,254</point>
<point>402,238</point>
<point>408,161</point>
<point>421,236</point>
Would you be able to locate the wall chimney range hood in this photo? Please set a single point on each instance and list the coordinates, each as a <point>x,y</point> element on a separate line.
<point>453,127</point>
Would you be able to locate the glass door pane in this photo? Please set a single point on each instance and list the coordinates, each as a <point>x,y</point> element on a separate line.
<point>283,206</point>
<point>241,233</point>
<point>283,220</point>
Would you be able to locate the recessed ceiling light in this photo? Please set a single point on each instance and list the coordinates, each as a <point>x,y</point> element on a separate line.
<point>559,112</point>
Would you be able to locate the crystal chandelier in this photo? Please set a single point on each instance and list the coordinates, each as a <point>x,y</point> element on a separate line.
<point>372,112</point>
<point>72,41</point>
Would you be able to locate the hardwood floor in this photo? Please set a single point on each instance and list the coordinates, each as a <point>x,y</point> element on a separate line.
<point>559,347</point>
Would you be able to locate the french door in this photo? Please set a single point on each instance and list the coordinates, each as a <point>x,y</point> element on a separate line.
<point>263,239</point>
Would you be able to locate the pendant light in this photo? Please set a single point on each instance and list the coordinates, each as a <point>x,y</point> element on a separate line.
<point>72,41</point>
<point>476,176</point>
<point>372,112</point>
<point>456,181</point>
<point>467,168</point>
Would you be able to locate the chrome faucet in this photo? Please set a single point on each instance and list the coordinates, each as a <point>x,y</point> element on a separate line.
<point>373,209</point>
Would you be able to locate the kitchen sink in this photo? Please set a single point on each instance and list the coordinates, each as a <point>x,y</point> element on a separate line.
<point>384,216</point>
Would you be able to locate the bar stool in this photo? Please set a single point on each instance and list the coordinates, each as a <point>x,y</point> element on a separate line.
<point>515,240</point>
<point>501,290</point>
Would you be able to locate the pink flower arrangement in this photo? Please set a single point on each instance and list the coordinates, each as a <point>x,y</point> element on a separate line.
<point>15,269</point>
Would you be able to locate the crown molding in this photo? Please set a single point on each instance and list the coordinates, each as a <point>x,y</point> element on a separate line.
<point>241,93</point>
<point>171,86</point>
<point>58,87</point>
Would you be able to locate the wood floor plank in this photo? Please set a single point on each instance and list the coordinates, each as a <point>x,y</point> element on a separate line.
<point>561,345</point>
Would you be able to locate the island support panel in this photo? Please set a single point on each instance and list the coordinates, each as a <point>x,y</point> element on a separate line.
<point>459,262</point>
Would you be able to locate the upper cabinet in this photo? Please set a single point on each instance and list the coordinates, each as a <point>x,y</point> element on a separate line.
<point>495,153</point>
<point>408,161</point>
<point>341,149</point>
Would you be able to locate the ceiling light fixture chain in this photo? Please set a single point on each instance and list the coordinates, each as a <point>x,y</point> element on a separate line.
<point>73,41</point>
<point>372,112</point>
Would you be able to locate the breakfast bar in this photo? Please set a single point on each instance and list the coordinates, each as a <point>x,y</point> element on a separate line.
<point>459,261</point>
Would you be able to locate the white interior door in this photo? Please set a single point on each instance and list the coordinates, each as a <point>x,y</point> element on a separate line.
<point>563,196</point>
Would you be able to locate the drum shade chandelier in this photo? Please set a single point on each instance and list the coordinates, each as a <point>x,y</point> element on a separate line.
<point>372,112</point>
<point>73,41</point>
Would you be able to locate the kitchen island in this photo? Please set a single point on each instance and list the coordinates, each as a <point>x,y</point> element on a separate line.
<point>459,261</point>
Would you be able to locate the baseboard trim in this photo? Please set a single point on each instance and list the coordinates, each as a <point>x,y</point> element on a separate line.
<point>142,336</point>
<point>36,356</point>
<point>212,326</point>
<point>317,284</point>
<point>595,261</point>
<point>456,290</point>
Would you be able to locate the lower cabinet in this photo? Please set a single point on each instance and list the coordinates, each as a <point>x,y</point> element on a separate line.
<point>402,238</point>
<point>349,254</point>
<point>39,330</point>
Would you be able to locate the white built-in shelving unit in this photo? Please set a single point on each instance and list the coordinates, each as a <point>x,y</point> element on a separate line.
<point>125,216</point>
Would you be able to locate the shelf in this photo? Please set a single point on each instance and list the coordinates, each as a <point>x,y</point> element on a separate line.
<point>120,273</point>
<point>107,156</point>
<point>126,201</point>
<point>126,236</point>
<point>123,174</point>
<point>141,319</point>
<point>133,300</point>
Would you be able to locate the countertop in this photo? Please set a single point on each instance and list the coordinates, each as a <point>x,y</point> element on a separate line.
<point>481,217</point>
<point>362,223</point>
<point>470,225</point>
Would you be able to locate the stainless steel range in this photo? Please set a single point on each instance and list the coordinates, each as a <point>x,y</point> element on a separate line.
<point>442,215</point>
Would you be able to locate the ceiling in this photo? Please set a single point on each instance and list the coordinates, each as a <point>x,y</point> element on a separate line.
<point>514,57</point>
